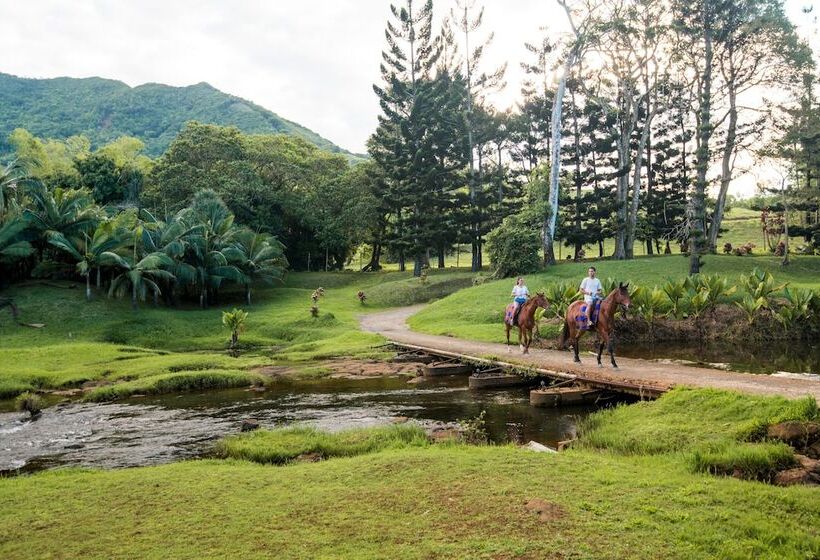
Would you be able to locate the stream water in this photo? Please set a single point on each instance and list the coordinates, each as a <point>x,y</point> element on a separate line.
<point>154,430</point>
<point>753,357</point>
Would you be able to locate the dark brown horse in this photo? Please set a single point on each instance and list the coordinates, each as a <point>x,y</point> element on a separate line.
<point>605,326</point>
<point>526,320</point>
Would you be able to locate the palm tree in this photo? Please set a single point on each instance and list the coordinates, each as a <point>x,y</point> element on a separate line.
<point>259,256</point>
<point>67,211</point>
<point>90,252</point>
<point>140,277</point>
<point>206,246</point>
<point>12,177</point>
<point>172,237</point>
<point>12,247</point>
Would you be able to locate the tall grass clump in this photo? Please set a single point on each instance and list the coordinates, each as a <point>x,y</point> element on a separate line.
<point>175,382</point>
<point>757,461</point>
<point>283,445</point>
<point>29,402</point>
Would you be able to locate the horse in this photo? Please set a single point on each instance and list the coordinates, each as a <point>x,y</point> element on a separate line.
<point>605,326</point>
<point>526,320</point>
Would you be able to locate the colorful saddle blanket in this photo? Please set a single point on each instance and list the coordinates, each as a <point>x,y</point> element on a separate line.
<point>508,314</point>
<point>581,318</point>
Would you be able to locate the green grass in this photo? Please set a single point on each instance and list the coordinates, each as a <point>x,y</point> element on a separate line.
<point>388,493</point>
<point>176,382</point>
<point>477,312</point>
<point>281,446</point>
<point>104,341</point>
<point>716,431</point>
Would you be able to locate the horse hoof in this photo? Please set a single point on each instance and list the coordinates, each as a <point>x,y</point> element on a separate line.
<point>614,366</point>
<point>600,365</point>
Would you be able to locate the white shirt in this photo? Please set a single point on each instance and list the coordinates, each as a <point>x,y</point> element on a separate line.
<point>591,286</point>
<point>520,291</point>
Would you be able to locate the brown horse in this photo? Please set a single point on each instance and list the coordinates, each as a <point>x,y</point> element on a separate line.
<point>605,326</point>
<point>526,320</point>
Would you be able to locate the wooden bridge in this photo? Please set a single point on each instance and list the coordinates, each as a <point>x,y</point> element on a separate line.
<point>642,378</point>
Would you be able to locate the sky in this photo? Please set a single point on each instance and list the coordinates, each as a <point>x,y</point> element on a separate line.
<point>310,61</point>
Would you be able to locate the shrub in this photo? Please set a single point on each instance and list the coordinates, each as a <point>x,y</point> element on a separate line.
<point>561,295</point>
<point>29,402</point>
<point>513,248</point>
<point>235,321</point>
<point>474,430</point>
<point>649,304</point>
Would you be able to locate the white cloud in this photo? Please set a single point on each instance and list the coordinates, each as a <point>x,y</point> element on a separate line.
<point>311,62</point>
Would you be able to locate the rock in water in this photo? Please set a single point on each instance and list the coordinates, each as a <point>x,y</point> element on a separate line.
<point>538,448</point>
<point>249,426</point>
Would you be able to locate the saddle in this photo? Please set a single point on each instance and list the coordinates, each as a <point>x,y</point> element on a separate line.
<point>510,316</point>
<point>580,320</point>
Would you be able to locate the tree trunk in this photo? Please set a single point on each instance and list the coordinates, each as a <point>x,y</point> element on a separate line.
<point>548,233</point>
<point>579,246</point>
<point>88,286</point>
<point>98,277</point>
<point>620,198</point>
<point>134,296</point>
<point>417,263</point>
<point>726,171</point>
<point>374,264</point>
<point>441,256</point>
<point>698,214</point>
<point>248,294</point>
<point>636,189</point>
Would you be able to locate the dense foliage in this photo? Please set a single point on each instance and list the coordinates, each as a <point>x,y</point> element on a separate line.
<point>61,231</point>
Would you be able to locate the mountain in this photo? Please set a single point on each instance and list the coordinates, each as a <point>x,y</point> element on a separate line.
<point>106,109</point>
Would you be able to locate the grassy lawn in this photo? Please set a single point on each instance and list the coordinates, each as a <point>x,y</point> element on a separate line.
<point>477,312</point>
<point>165,350</point>
<point>432,501</point>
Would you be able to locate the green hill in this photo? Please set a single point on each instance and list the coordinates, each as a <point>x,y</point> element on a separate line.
<point>106,109</point>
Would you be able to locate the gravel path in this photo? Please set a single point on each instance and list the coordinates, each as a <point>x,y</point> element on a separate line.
<point>392,325</point>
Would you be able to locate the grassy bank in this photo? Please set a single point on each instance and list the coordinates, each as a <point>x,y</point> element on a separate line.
<point>281,446</point>
<point>477,313</point>
<point>168,349</point>
<point>713,431</point>
<point>605,499</point>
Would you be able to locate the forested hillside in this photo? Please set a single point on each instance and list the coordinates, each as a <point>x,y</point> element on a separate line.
<point>104,110</point>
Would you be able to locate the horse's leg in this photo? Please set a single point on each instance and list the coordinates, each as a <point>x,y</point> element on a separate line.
<point>601,345</point>
<point>520,337</point>
<point>575,348</point>
<point>611,348</point>
<point>527,340</point>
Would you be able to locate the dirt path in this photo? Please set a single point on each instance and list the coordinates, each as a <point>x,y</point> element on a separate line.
<point>392,324</point>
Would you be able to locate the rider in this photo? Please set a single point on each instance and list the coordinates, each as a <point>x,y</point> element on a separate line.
<point>592,290</point>
<point>520,293</point>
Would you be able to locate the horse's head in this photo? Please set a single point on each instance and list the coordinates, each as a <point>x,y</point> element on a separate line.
<point>541,301</point>
<point>621,294</point>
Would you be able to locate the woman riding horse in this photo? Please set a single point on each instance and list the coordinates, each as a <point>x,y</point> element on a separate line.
<point>575,323</point>
<point>526,320</point>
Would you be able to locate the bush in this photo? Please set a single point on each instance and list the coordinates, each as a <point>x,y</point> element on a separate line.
<point>513,248</point>
<point>29,402</point>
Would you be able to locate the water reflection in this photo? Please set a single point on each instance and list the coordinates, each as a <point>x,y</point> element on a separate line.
<point>768,357</point>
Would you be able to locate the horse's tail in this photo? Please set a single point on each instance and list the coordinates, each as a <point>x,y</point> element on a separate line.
<point>562,340</point>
